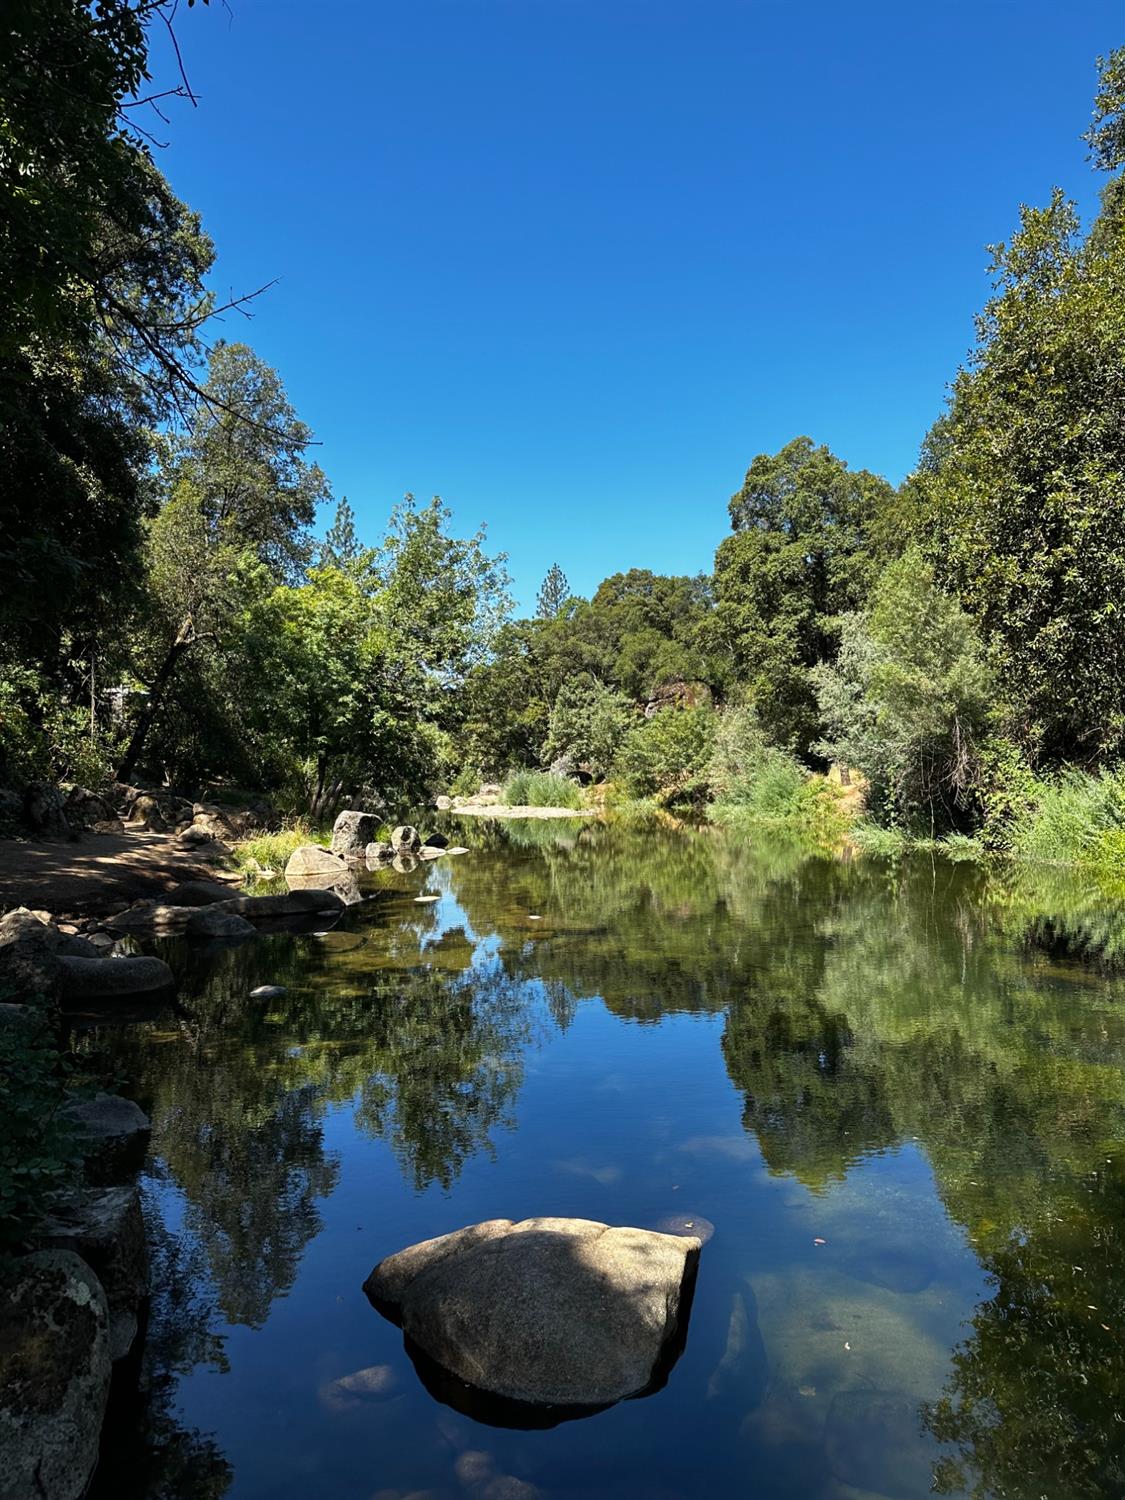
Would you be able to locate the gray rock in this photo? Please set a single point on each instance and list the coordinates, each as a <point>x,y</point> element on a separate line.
<point>44,811</point>
<point>210,922</point>
<point>198,893</point>
<point>378,854</point>
<point>288,904</point>
<point>31,955</point>
<point>151,917</point>
<point>106,1228</point>
<point>352,832</point>
<point>436,841</point>
<point>311,859</point>
<point>561,1312</point>
<point>268,992</point>
<point>54,1377</point>
<point>111,978</point>
<point>213,821</point>
<point>405,839</point>
<point>196,838</point>
<point>113,1135</point>
<point>442,803</point>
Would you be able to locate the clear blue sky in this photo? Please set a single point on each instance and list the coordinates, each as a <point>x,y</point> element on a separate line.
<point>572,263</point>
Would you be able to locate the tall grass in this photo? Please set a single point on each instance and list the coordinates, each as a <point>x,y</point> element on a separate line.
<point>1073,818</point>
<point>272,850</point>
<point>540,789</point>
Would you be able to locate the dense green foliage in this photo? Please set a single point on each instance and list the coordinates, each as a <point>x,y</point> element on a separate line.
<point>169,613</point>
<point>540,789</point>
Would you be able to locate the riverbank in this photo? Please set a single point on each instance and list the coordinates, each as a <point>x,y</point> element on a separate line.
<point>96,872</point>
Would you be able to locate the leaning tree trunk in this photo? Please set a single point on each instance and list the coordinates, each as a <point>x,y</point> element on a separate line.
<point>185,637</point>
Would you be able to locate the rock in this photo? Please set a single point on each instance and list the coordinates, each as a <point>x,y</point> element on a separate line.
<point>344,886</point>
<point>113,1135</point>
<point>54,1377</point>
<point>268,992</point>
<point>443,804</point>
<point>11,811</point>
<point>564,766</point>
<point>151,917</point>
<point>695,1226</point>
<point>359,1389</point>
<point>152,813</point>
<point>198,893</point>
<point>352,832</point>
<point>311,859</point>
<point>427,853</point>
<point>378,854</point>
<point>210,922</point>
<point>44,811</point>
<point>298,903</point>
<point>112,978</point>
<point>106,1228</point>
<point>560,1312</point>
<point>196,838</point>
<point>404,862</point>
<point>101,940</point>
<point>109,825</point>
<point>86,809</point>
<point>405,840</point>
<point>213,821</point>
<point>31,954</point>
<point>436,841</point>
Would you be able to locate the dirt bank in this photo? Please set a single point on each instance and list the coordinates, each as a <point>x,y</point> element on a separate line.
<point>98,871</point>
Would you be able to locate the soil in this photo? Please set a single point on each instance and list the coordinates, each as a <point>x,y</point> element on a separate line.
<point>100,872</point>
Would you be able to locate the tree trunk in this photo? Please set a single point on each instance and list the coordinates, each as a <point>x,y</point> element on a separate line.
<point>185,637</point>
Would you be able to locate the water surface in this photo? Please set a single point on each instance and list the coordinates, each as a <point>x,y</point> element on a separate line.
<point>897,1092</point>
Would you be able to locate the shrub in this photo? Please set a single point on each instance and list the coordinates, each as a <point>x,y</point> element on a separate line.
<point>540,789</point>
<point>1073,818</point>
<point>587,724</point>
<point>669,755</point>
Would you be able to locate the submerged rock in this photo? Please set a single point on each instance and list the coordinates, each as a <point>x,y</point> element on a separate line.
<point>558,1312</point>
<point>296,903</point>
<point>54,1377</point>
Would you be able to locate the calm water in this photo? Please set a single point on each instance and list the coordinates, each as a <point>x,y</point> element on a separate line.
<point>922,1068</point>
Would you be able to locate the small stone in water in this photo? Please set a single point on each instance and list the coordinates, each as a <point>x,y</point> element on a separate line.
<point>427,898</point>
<point>268,992</point>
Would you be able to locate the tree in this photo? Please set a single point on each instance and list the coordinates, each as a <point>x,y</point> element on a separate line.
<point>910,697</point>
<point>241,496</point>
<point>553,594</point>
<point>341,547</point>
<point>1018,497</point>
<point>800,554</point>
<point>669,755</point>
<point>588,722</point>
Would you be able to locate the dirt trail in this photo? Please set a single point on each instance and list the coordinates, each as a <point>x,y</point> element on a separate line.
<point>97,871</point>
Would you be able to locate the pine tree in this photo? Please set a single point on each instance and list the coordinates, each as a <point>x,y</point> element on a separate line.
<point>341,545</point>
<point>553,594</point>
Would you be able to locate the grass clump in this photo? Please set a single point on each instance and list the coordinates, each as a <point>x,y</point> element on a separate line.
<point>540,789</point>
<point>271,851</point>
<point>1073,818</point>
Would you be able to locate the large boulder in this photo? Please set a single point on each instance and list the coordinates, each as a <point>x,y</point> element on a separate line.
<point>303,902</point>
<point>54,1377</point>
<point>112,978</point>
<point>44,811</point>
<point>31,954</point>
<point>112,1134</point>
<point>198,893</point>
<point>311,859</point>
<point>378,854</point>
<point>352,832</point>
<point>405,839</point>
<point>86,809</point>
<point>546,1312</point>
<point>105,1226</point>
